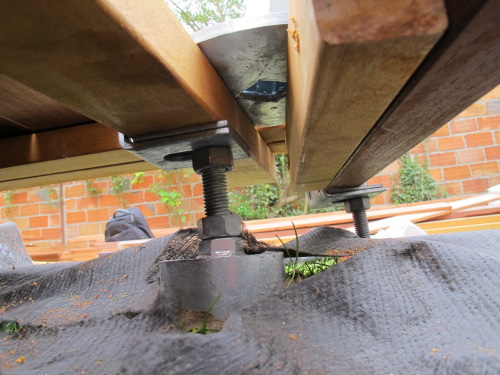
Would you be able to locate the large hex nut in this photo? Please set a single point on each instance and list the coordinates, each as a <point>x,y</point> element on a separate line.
<point>357,204</point>
<point>212,157</point>
<point>221,246</point>
<point>214,226</point>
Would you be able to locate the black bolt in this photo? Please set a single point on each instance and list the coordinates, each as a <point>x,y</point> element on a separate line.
<point>215,191</point>
<point>361,223</point>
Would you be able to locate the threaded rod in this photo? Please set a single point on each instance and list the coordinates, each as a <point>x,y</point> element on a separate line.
<point>361,223</point>
<point>215,191</point>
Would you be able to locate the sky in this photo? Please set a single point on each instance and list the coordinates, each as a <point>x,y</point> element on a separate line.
<point>256,7</point>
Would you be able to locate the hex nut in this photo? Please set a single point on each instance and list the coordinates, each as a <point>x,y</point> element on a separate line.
<point>221,246</point>
<point>212,157</point>
<point>215,226</point>
<point>357,204</point>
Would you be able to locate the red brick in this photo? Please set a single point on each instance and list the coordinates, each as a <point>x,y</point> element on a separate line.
<point>70,204</point>
<point>489,122</point>
<point>51,233</point>
<point>470,155</point>
<point>452,188</point>
<point>31,209</point>
<point>479,139</point>
<point>457,173</point>
<point>484,169</point>
<point>159,222</point>
<point>74,191</point>
<point>38,221</point>
<point>476,109</point>
<point>107,201</point>
<point>464,126</point>
<point>54,220</point>
<point>197,204</point>
<point>145,183</point>
<point>188,176</point>
<point>385,180</point>
<point>495,180</point>
<point>31,235</point>
<point>133,198</point>
<point>391,168</point>
<point>20,198</point>
<point>101,214</point>
<point>150,197</point>
<point>147,209</point>
<point>47,209</point>
<point>21,222</point>
<point>161,209</point>
<point>479,185</point>
<point>89,229</point>
<point>197,190</point>
<point>34,196</point>
<point>88,203</point>
<point>492,153</point>
<point>451,143</point>
<point>444,159</point>
<point>497,137</point>
<point>444,131</point>
<point>379,199</point>
<point>76,217</point>
<point>436,173</point>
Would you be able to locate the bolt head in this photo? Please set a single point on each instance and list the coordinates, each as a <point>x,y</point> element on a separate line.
<point>221,246</point>
<point>212,157</point>
<point>357,204</point>
<point>215,226</point>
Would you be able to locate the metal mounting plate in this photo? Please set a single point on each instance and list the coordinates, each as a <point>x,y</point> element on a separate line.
<point>333,196</point>
<point>248,50</point>
<point>171,149</point>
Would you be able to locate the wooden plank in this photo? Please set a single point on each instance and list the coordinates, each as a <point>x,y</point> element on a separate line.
<point>463,66</point>
<point>126,64</point>
<point>426,216</point>
<point>76,153</point>
<point>274,136</point>
<point>460,222</point>
<point>32,110</point>
<point>347,62</point>
<point>464,228</point>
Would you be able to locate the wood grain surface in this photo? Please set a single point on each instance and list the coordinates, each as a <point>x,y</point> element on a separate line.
<point>463,66</point>
<point>347,62</point>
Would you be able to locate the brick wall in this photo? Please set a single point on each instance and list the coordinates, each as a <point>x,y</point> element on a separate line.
<point>464,158</point>
<point>464,154</point>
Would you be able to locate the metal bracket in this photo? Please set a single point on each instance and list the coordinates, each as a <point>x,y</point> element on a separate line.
<point>332,196</point>
<point>173,149</point>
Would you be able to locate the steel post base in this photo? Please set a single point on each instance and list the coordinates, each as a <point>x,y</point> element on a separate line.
<point>239,279</point>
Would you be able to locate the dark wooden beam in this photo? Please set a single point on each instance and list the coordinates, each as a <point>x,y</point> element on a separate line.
<point>464,66</point>
<point>347,62</point>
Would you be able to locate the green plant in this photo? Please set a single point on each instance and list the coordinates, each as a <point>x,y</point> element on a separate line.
<point>9,205</point>
<point>91,189</point>
<point>10,327</point>
<point>198,14</point>
<point>292,267</point>
<point>138,178</point>
<point>270,200</point>
<point>50,195</point>
<point>119,187</point>
<point>170,198</point>
<point>415,184</point>
<point>204,329</point>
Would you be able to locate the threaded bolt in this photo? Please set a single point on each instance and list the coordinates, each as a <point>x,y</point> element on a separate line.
<point>214,183</point>
<point>361,223</point>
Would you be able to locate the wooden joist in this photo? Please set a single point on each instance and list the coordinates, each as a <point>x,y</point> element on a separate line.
<point>126,64</point>
<point>464,66</point>
<point>347,61</point>
<point>462,225</point>
<point>76,153</point>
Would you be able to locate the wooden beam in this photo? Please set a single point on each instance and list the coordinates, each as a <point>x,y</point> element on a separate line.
<point>126,64</point>
<point>463,66</point>
<point>347,62</point>
<point>32,110</point>
<point>76,153</point>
